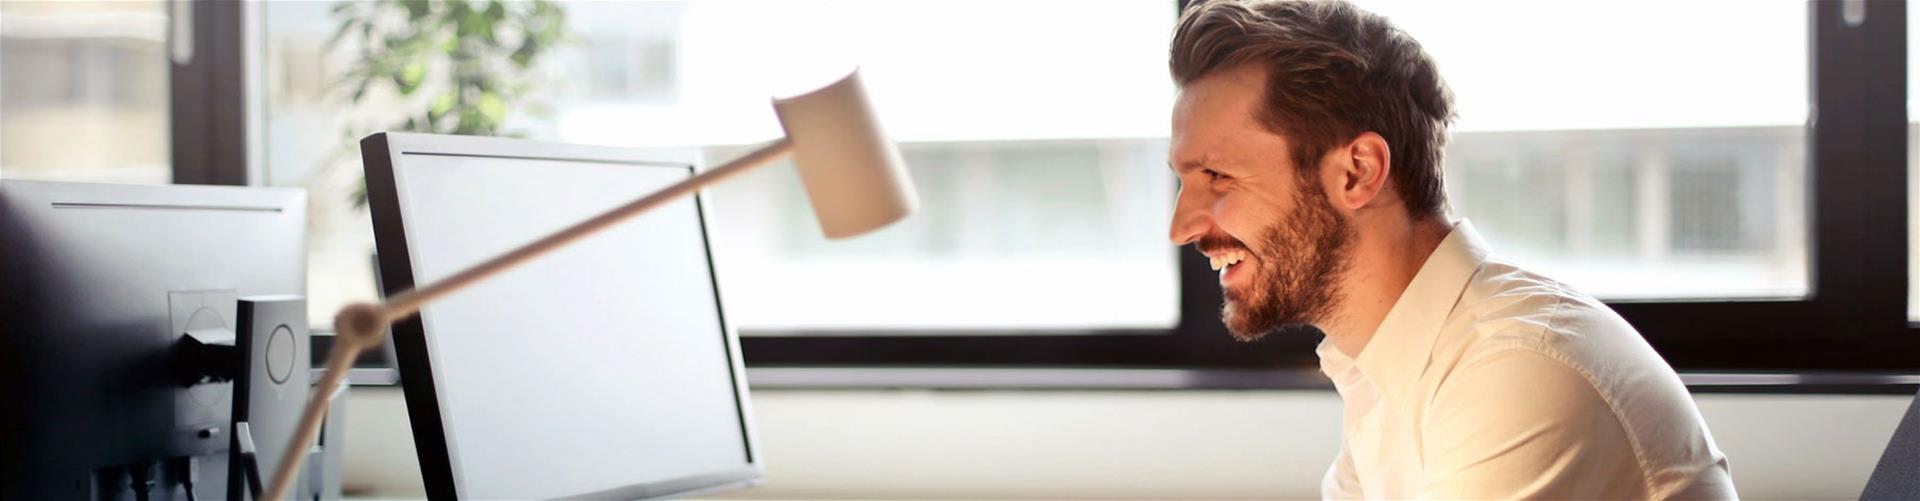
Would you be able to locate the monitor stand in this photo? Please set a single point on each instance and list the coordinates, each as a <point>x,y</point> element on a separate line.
<point>272,387</point>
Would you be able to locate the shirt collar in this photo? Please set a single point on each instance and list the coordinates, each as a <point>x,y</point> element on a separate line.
<point>1397,355</point>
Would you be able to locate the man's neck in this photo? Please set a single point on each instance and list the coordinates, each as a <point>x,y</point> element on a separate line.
<point>1385,260</point>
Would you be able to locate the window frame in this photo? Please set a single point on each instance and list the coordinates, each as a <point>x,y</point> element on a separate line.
<point>212,94</point>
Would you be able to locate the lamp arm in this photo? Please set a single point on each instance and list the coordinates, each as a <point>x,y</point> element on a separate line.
<point>362,325</point>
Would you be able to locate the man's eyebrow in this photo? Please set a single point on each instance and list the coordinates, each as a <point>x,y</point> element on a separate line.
<point>1188,165</point>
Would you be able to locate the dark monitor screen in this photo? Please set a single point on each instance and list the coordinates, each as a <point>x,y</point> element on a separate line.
<point>97,283</point>
<point>605,369</point>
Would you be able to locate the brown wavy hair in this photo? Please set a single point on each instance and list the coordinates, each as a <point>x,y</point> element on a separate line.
<point>1334,71</point>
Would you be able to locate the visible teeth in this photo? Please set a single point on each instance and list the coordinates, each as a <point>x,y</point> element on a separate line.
<point>1228,259</point>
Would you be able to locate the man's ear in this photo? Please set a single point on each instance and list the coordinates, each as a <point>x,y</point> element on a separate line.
<point>1366,164</point>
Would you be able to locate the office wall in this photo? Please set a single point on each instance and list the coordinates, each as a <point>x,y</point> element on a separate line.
<point>911,444</point>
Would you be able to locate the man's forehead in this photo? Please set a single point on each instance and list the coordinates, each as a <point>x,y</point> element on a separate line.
<point>1209,110</point>
<point>1240,85</point>
<point>1219,99</point>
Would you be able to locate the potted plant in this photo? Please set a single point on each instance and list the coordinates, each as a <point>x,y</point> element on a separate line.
<point>458,66</point>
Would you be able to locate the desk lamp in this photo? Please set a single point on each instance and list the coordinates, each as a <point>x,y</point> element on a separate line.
<point>852,173</point>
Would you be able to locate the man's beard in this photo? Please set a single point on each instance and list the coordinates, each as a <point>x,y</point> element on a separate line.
<point>1299,264</point>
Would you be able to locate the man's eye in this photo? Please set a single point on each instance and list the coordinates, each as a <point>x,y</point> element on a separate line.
<point>1213,174</point>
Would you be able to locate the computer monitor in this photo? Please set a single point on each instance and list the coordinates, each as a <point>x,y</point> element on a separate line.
<point>604,370</point>
<point>97,284</point>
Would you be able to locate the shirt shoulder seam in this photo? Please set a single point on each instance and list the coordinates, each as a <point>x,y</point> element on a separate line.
<point>1539,346</point>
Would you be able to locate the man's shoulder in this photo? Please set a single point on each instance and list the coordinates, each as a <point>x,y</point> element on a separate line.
<point>1507,309</point>
<point>1506,306</point>
<point>1545,350</point>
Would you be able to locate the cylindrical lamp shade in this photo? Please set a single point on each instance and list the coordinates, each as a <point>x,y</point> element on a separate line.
<point>852,172</point>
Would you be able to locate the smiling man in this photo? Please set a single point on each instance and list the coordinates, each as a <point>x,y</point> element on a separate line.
<point>1308,140</point>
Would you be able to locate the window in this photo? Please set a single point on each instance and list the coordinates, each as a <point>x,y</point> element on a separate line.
<point>1913,178</point>
<point>1717,170</point>
<point>1033,234</point>
<point>1042,193</point>
<point>1667,164</point>
<point>308,142</point>
<point>1643,214</point>
<point>76,77</point>
<point>1678,173</point>
<point>1044,190</point>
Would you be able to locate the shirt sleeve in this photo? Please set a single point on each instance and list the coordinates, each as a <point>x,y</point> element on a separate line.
<point>1519,424</point>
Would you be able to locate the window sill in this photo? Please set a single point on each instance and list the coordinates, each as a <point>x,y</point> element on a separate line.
<point>962,378</point>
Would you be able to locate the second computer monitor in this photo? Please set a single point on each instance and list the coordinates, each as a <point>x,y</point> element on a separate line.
<point>99,285</point>
<point>605,369</point>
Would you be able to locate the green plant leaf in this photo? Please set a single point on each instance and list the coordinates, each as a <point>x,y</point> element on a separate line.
<point>441,104</point>
<point>492,107</point>
<point>359,196</point>
<point>472,24</point>
<point>474,57</point>
<point>417,9</point>
<point>529,49</point>
<point>410,77</point>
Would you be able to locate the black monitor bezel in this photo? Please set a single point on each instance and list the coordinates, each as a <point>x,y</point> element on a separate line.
<point>379,153</point>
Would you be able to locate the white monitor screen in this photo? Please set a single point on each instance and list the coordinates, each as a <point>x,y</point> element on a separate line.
<point>602,369</point>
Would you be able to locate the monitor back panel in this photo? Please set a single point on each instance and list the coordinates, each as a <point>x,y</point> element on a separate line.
<point>97,283</point>
<point>604,369</point>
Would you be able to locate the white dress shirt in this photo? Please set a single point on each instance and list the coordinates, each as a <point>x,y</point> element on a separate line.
<point>1486,381</point>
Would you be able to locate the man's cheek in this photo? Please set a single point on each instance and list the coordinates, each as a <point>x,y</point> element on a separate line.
<point>1238,221</point>
<point>1228,215</point>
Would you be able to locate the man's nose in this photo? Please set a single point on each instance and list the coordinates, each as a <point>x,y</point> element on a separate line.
<point>1191,219</point>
